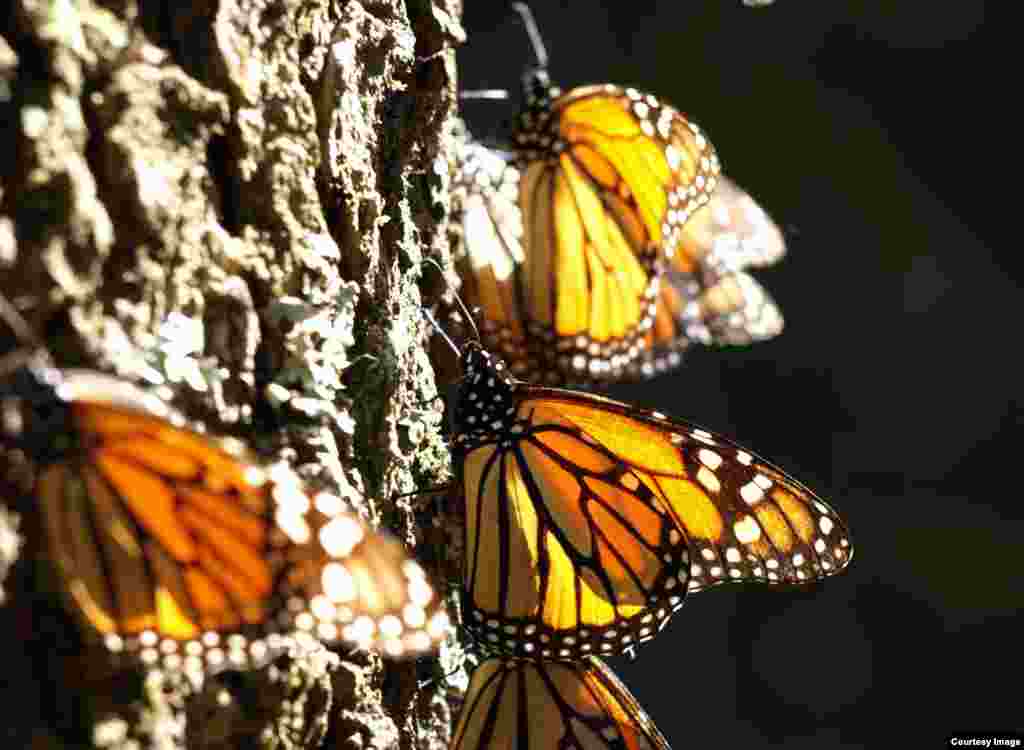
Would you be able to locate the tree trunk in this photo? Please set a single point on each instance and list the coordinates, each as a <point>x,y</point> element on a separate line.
<point>234,199</point>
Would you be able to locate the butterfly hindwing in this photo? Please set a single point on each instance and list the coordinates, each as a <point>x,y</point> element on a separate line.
<point>705,296</point>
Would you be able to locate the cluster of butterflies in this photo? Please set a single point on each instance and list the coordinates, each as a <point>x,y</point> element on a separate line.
<point>598,249</point>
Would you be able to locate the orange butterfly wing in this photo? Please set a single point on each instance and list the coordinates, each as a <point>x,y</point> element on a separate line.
<point>744,518</point>
<point>588,520</point>
<point>542,704</point>
<point>183,551</point>
<point>564,554</point>
<point>608,178</point>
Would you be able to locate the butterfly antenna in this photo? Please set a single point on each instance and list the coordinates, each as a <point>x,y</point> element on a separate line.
<point>458,300</point>
<point>534,33</point>
<point>491,94</point>
<point>440,330</point>
<point>433,681</point>
<point>469,317</point>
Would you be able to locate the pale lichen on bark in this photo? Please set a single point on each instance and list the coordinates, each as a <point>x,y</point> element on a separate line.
<point>233,200</point>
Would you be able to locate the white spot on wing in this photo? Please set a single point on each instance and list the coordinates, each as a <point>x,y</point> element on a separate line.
<point>709,458</point>
<point>751,493</point>
<point>747,530</point>
<point>704,436</point>
<point>707,478</point>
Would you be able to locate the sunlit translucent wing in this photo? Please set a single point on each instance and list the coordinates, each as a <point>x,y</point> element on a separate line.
<point>706,297</point>
<point>535,705</point>
<point>730,233</point>
<point>500,279</point>
<point>608,178</point>
<point>489,255</point>
<point>361,586</point>
<point>587,519</point>
<point>181,551</point>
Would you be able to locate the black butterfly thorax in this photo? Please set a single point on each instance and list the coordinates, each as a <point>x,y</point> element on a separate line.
<point>486,403</point>
<point>33,417</point>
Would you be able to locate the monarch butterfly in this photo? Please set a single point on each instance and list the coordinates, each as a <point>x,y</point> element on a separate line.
<point>607,177</point>
<point>588,520</point>
<point>548,704</point>
<point>705,296</point>
<point>182,551</point>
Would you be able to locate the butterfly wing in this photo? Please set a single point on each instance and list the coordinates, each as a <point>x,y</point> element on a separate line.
<point>489,255</point>
<point>351,583</point>
<point>566,551</point>
<point>744,518</point>
<point>730,233</point>
<point>587,520</point>
<point>609,176</point>
<point>543,704</point>
<point>731,310</point>
<point>181,550</point>
<point>705,296</point>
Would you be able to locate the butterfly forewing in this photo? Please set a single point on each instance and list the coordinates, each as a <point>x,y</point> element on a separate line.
<point>563,277</point>
<point>609,176</point>
<point>744,518</point>
<point>649,164</point>
<point>730,233</point>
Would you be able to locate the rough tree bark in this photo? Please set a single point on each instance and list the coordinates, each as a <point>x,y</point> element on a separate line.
<point>234,198</point>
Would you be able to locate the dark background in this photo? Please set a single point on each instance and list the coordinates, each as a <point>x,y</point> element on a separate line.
<point>871,131</point>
